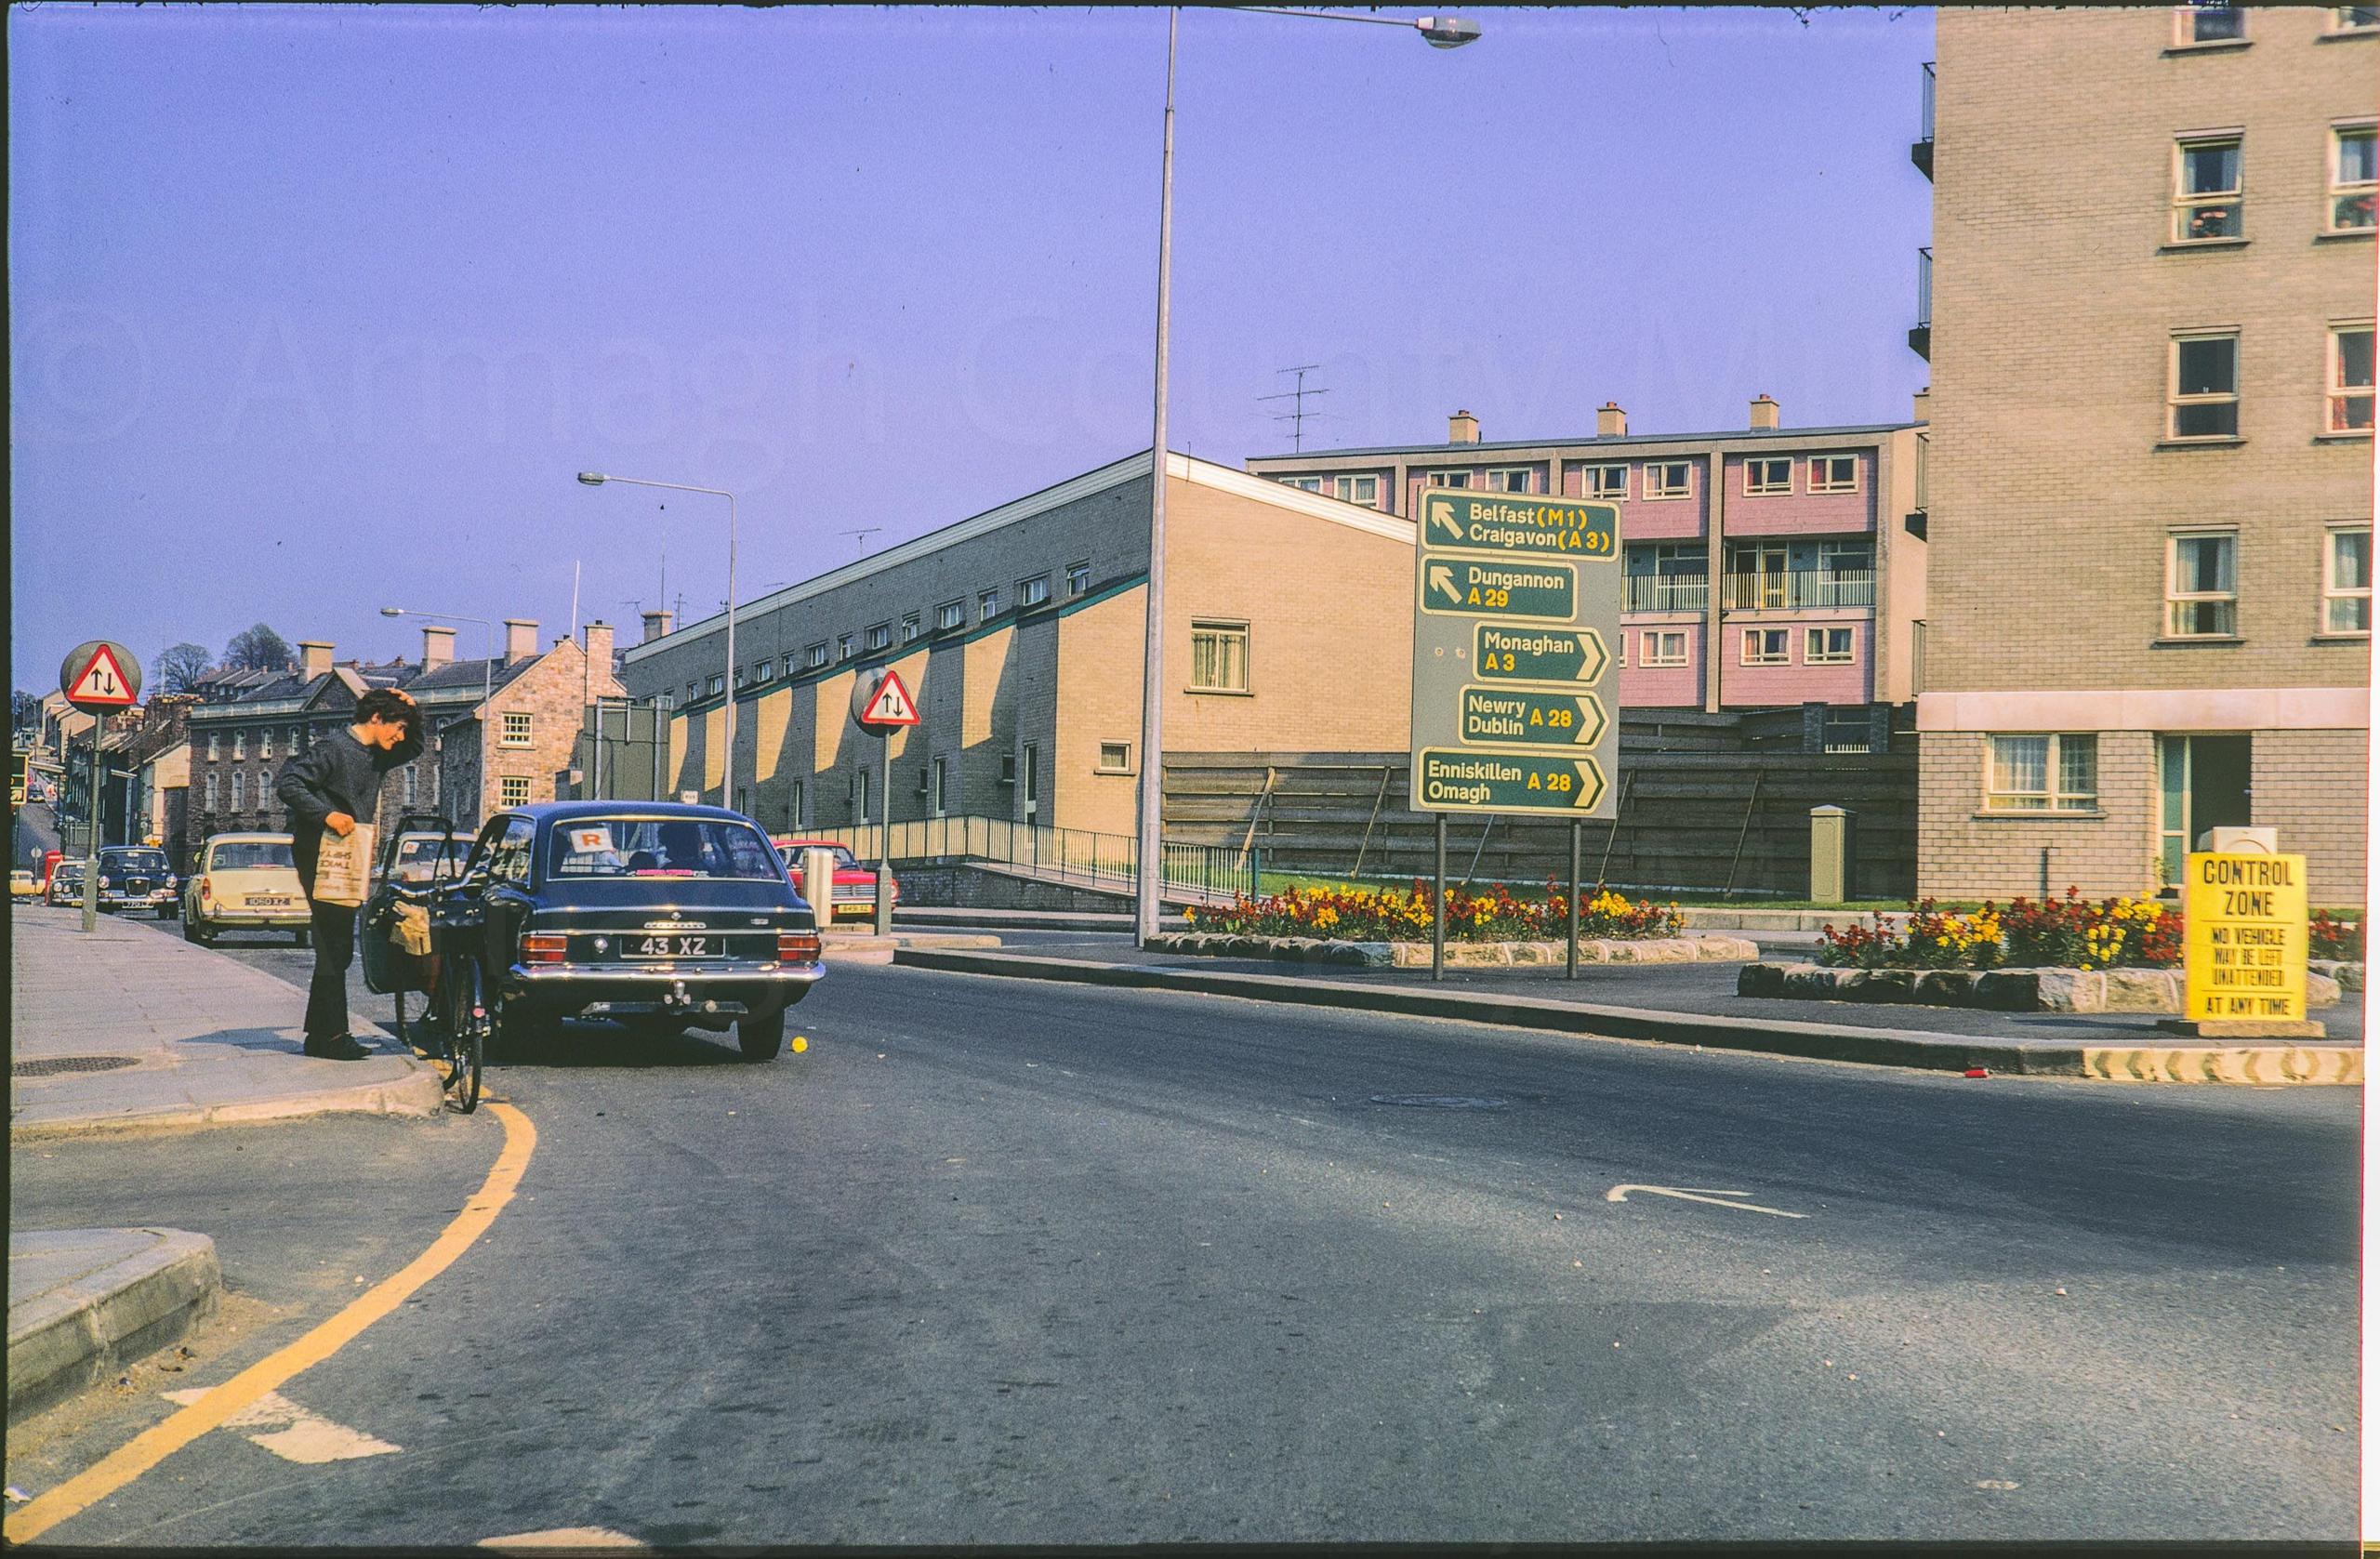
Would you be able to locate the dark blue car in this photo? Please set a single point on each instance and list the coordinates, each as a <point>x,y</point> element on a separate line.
<point>655,914</point>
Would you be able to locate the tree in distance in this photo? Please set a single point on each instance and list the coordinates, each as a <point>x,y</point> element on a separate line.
<point>180,668</point>
<point>25,711</point>
<point>259,649</point>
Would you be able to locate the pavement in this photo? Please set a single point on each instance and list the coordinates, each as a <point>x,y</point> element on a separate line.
<point>130,1029</point>
<point>1695,1004</point>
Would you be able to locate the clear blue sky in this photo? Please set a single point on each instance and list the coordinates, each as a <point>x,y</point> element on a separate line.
<point>318,310</point>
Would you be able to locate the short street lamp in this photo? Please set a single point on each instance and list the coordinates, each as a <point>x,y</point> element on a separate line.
<point>1440,32</point>
<point>727,683</point>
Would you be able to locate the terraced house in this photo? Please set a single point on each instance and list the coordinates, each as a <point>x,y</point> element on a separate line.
<point>2151,337</point>
<point>1816,537</point>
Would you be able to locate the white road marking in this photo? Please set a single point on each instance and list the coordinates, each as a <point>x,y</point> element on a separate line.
<point>1619,1194</point>
<point>563,1537</point>
<point>292,1432</point>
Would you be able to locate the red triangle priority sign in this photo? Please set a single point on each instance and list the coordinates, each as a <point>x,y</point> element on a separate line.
<point>890,704</point>
<point>103,682</point>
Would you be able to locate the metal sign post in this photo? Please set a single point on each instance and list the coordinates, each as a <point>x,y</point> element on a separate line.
<point>97,675</point>
<point>1516,600</point>
<point>881,707</point>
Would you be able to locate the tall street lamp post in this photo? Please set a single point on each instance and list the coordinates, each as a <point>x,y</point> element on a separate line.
<point>1439,31</point>
<point>727,683</point>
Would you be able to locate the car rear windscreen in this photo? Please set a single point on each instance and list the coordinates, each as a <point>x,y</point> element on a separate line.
<point>635,847</point>
<point>248,854</point>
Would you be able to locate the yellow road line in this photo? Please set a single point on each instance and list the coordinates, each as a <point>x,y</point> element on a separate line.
<point>150,1446</point>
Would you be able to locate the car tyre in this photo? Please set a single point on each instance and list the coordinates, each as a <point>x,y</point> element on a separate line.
<point>762,1039</point>
<point>195,929</point>
<point>305,938</point>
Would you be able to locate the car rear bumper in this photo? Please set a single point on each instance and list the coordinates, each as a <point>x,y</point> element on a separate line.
<point>258,919</point>
<point>565,988</point>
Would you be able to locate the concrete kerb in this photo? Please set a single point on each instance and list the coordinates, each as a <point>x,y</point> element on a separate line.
<point>1905,1048</point>
<point>84,1302</point>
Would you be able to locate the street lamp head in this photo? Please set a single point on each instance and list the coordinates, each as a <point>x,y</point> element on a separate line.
<point>392,611</point>
<point>593,479</point>
<point>1448,31</point>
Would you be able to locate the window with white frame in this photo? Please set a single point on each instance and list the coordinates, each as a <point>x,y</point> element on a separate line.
<point>512,791</point>
<point>1826,646</point>
<point>1834,473</point>
<point>412,784</point>
<point>1447,479</point>
<point>742,676</point>
<point>1767,478</point>
<point>1623,647</point>
<point>210,793</point>
<point>846,646</point>
<point>2205,399</point>
<point>1115,757</point>
<point>765,671</point>
<point>1364,490</point>
<point>911,626</point>
<point>239,791</point>
<point>2052,772</point>
<point>1303,483</point>
<point>879,636</point>
<point>2209,24</point>
<point>2202,584</point>
<point>2348,397</point>
<point>939,786</point>
<point>214,745</point>
<point>1668,479</point>
<point>694,691</point>
<point>815,656</point>
<point>1664,646</point>
<point>240,744</point>
<point>950,614</point>
<point>1032,592</point>
<point>2346,579</point>
<point>2206,188</point>
<point>1218,656</point>
<point>1079,578</point>
<point>987,604</point>
<point>716,685</point>
<point>1603,483</point>
<point>791,668</point>
<point>1511,479</point>
<point>264,742</point>
<point>1766,646</point>
<point>2355,19</point>
<point>516,729</point>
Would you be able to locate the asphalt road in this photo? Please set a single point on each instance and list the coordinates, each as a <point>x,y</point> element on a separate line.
<point>999,1261</point>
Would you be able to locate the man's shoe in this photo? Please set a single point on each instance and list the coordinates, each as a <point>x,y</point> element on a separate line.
<point>343,1048</point>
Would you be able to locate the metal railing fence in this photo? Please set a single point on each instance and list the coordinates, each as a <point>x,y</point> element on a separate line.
<point>1062,855</point>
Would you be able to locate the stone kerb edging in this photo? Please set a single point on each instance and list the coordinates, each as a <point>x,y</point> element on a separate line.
<point>2000,990</point>
<point>1416,954</point>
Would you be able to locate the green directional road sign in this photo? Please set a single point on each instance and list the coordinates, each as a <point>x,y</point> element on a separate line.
<point>1516,522</point>
<point>1516,606</point>
<point>1520,717</point>
<point>1447,780</point>
<point>1539,654</point>
<point>1491,588</point>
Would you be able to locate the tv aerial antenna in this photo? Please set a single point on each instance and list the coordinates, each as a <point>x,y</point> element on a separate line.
<point>861,536</point>
<point>1297,413</point>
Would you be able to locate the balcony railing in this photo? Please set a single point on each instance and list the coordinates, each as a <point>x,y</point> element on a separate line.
<point>1920,334</point>
<point>1786,589</point>
<point>1921,150</point>
<point>1667,592</point>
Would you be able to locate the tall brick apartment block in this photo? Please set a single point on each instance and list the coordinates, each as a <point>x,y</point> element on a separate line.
<point>2151,337</point>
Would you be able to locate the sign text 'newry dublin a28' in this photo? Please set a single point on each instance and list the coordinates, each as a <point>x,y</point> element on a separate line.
<point>1516,599</point>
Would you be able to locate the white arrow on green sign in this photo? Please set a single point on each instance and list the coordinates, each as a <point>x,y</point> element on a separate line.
<point>1475,586</point>
<point>1539,654</point>
<point>1518,717</point>
<point>1513,523</point>
<point>1449,780</point>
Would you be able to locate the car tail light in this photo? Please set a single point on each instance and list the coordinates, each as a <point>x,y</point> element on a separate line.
<point>797,946</point>
<point>542,948</point>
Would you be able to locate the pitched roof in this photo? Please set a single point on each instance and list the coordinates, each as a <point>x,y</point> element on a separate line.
<point>460,677</point>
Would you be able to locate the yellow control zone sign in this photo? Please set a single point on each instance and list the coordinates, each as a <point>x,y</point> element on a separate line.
<point>2244,938</point>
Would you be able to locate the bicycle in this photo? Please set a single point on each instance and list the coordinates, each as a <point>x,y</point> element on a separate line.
<point>453,1017</point>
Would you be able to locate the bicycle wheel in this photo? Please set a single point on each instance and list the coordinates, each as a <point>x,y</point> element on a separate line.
<point>466,1039</point>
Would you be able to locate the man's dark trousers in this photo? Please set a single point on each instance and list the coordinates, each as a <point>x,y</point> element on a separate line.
<point>334,929</point>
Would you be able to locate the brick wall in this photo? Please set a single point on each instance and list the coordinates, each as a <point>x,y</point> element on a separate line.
<point>1962,855</point>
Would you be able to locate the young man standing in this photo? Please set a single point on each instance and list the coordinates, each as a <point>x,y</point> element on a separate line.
<point>334,785</point>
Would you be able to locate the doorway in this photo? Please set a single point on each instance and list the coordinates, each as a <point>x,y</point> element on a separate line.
<point>2204,782</point>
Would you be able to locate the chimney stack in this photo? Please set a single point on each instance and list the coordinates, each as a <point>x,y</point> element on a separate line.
<point>656,624</point>
<point>313,658</point>
<point>1611,422</point>
<point>520,639</point>
<point>1764,415</point>
<point>1463,428</point>
<point>1921,404</point>
<point>437,648</point>
<point>598,646</point>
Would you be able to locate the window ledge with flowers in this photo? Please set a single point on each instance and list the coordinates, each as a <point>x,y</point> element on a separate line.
<point>2120,954</point>
<point>1388,928</point>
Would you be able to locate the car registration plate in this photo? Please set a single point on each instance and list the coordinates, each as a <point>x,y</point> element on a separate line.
<point>666,947</point>
<point>268,901</point>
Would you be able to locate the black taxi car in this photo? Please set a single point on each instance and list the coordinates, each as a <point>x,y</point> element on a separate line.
<point>658,915</point>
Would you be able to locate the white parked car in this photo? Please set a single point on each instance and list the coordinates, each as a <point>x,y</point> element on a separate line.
<point>245,882</point>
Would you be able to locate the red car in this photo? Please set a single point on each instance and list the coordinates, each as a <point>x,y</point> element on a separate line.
<point>855,884</point>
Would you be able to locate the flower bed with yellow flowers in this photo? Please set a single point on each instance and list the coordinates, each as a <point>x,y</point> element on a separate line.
<point>2061,954</point>
<point>1495,925</point>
